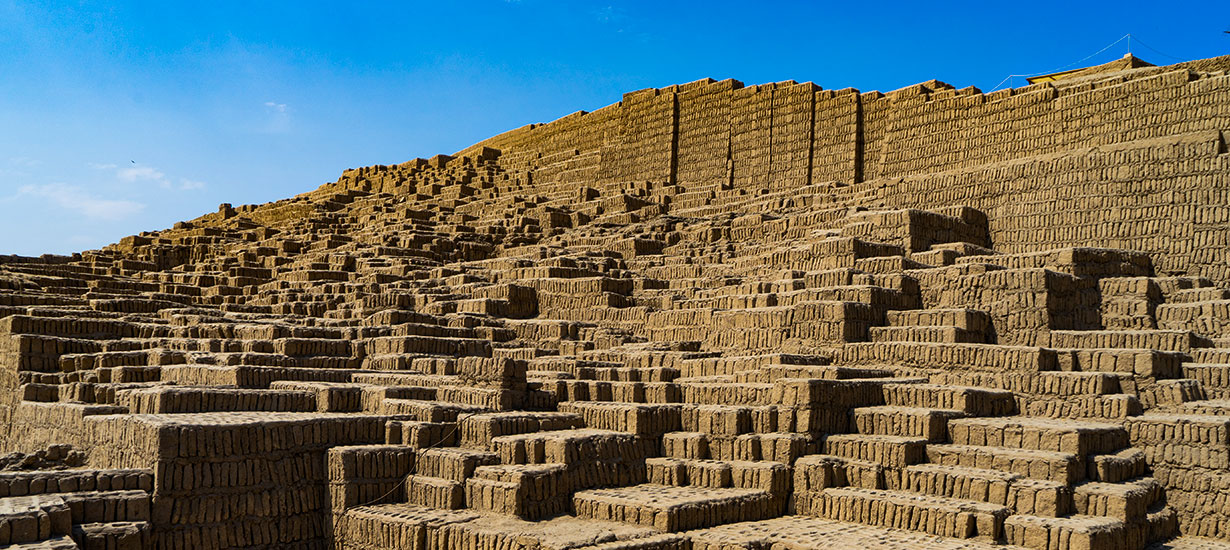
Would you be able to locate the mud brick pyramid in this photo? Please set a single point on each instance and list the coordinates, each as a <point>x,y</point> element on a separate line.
<point>708,317</point>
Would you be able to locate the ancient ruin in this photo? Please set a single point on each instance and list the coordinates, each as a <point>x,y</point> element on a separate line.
<point>709,316</point>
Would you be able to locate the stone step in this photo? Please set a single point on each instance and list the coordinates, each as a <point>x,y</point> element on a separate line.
<point>179,399</point>
<point>1021,494</point>
<point>1211,355</point>
<point>28,519</point>
<point>937,334</point>
<point>1067,533</point>
<point>1162,524</point>
<point>1074,383</point>
<point>1055,466</point>
<point>36,482</point>
<point>619,391</point>
<point>812,533</point>
<point>664,541</point>
<point>829,372</point>
<point>435,492</point>
<point>892,451</point>
<point>423,411</point>
<point>528,491</point>
<point>987,359</point>
<point>1169,393</point>
<point>629,392</point>
<point>620,373</point>
<point>123,535</point>
<point>1127,501</point>
<point>954,482</point>
<point>753,447</point>
<point>108,506</point>
<point>969,400</point>
<point>396,525</point>
<point>929,424</point>
<point>672,509</point>
<point>56,542</point>
<point>1206,318</point>
<point>1115,467</point>
<point>1210,375</point>
<point>249,376</point>
<point>1077,437</point>
<point>710,393</point>
<point>431,345</point>
<point>718,420</point>
<point>1209,406</point>
<point>1107,408</point>
<point>1182,440</point>
<point>941,516</point>
<point>972,320</point>
<point>816,472</point>
<point>1163,340</point>
<point>313,347</point>
<point>451,463</point>
<point>635,418</point>
<point>1204,294</point>
<point>716,474</point>
<point>566,447</point>
<point>734,364</point>
<point>477,431</point>
<point>680,472</point>
<point>687,445</point>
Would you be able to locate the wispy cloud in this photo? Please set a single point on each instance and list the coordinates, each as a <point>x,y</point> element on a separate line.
<point>608,14</point>
<point>140,173</point>
<point>24,162</point>
<point>80,201</point>
<point>616,17</point>
<point>137,173</point>
<point>19,166</point>
<point>277,118</point>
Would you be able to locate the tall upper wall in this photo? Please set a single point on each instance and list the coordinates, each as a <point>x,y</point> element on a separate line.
<point>705,130</point>
<point>702,132</point>
<point>931,145</point>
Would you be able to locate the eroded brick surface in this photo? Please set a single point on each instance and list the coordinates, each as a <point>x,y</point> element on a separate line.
<point>710,316</point>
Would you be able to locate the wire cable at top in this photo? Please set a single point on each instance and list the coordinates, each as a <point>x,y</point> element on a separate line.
<point>1127,37</point>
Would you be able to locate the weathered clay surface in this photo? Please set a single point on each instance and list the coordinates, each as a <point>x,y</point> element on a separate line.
<point>710,316</point>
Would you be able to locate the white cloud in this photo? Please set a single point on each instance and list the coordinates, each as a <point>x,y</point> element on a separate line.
<point>16,167</point>
<point>78,200</point>
<point>24,162</point>
<point>608,14</point>
<point>276,118</point>
<point>139,172</point>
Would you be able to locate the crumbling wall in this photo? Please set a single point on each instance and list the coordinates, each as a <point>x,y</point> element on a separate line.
<point>836,150</point>
<point>1053,164</point>
<point>790,143</point>
<point>1165,196</point>
<point>704,132</point>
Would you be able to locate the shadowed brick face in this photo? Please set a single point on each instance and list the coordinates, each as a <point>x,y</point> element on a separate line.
<point>708,317</point>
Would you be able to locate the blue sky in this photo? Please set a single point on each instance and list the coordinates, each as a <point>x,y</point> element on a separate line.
<point>128,116</point>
